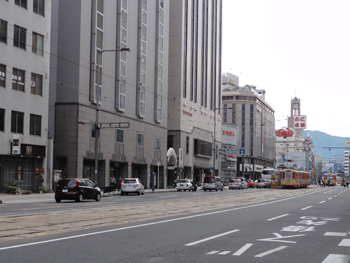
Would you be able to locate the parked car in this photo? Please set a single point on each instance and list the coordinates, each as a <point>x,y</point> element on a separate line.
<point>250,183</point>
<point>76,189</point>
<point>244,182</point>
<point>235,184</point>
<point>132,185</point>
<point>262,183</point>
<point>212,183</point>
<point>184,184</point>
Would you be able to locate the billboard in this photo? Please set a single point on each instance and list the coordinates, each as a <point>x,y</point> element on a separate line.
<point>300,122</point>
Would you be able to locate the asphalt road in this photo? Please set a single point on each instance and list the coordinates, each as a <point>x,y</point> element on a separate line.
<point>309,227</point>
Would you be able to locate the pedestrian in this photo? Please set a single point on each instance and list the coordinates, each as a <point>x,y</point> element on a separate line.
<point>112,182</point>
<point>120,182</point>
<point>347,183</point>
<point>319,183</point>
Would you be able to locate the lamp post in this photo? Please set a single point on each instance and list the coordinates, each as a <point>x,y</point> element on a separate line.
<point>97,124</point>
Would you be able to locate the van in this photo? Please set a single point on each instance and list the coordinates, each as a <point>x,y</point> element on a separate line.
<point>212,183</point>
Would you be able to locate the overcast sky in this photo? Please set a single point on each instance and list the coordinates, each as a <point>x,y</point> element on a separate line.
<point>298,48</point>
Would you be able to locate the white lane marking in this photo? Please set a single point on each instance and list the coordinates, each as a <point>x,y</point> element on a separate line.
<point>336,258</point>
<point>210,238</point>
<point>158,222</point>
<point>344,243</point>
<point>270,251</point>
<point>212,252</point>
<point>335,234</point>
<point>330,198</point>
<point>224,252</point>
<point>306,207</point>
<point>242,250</point>
<point>277,217</point>
<point>166,196</point>
<point>322,202</point>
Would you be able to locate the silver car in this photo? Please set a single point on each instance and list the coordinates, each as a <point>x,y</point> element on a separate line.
<point>132,185</point>
<point>235,184</point>
<point>212,183</point>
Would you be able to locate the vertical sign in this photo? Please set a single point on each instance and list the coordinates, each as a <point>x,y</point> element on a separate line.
<point>181,158</point>
<point>300,122</point>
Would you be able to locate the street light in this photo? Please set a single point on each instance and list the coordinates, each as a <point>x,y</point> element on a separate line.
<point>97,124</point>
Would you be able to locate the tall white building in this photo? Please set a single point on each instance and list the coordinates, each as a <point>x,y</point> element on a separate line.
<point>194,97</point>
<point>24,92</point>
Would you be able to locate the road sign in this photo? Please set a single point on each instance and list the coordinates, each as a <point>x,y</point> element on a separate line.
<point>158,163</point>
<point>284,160</point>
<point>235,151</point>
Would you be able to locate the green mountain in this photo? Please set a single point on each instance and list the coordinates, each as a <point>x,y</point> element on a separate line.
<point>321,140</point>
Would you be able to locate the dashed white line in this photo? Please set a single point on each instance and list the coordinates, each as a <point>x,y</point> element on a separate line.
<point>210,238</point>
<point>322,202</point>
<point>330,198</point>
<point>277,217</point>
<point>270,251</point>
<point>306,207</point>
<point>335,234</point>
<point>336,258</point>
<point>242,250</point>
<point>212,252</point>
<point>224,252</point>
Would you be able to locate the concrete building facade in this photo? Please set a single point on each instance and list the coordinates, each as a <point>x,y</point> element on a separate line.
<point>247,108</point>
<point>130,88</point>
<point>194,98</point>
<point>24,93</point>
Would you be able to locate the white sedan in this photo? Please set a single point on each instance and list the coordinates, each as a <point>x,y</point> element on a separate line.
<point>184,184</point>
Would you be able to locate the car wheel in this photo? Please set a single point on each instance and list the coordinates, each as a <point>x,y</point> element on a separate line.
<point>80,198</point>
<point>222,188</point>
<point>216,189</point>
<point>98,197</point>
<point>143,192</point>
<point>58,200</point>
<point>205,190</point>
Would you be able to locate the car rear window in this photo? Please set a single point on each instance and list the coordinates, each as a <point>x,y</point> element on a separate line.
<point>184,181</point>
<point>130,181</point>
<point>67,183</point>
<point>208,180</point>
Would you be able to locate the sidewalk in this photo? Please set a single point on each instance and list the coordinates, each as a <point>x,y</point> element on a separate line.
<point>47,197</point>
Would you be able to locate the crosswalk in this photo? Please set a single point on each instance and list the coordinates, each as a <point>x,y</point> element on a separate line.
<point>339,258</point>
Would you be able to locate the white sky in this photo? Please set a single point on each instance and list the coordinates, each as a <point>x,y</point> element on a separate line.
<point>298,48</point>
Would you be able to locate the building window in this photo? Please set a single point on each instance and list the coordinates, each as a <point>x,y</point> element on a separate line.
<point>39,7</point>
<point>38,44</point>
<point>2,119</point>
<point>3,31</point>
<point>35,125</point>
<point>142,102</point>
<point>18,79</point>
<point>187,144</point>
<point>21,3</point>
<point>17,122</point>
<point>139,140</point>
<point>19,37</point>
<point>120,136</point>
<point>37,84</point>
<point>2,76</point>
<point>157,143</point>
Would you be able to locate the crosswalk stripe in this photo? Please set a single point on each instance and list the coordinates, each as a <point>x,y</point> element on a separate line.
<point>335,234</point>
<point>336,258</point>
<point>242,250</point>
<point>270,251</point>
<point>345,243</point>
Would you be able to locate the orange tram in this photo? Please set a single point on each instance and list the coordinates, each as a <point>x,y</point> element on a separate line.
<point>290,178</point>
<point>330,178</point>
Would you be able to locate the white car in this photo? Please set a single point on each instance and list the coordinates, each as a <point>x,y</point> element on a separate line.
<point>184,184</point>
<point>132,185</point>
<point>244,182</point>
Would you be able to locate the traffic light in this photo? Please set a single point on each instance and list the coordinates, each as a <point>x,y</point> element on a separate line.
<point>290,160</point>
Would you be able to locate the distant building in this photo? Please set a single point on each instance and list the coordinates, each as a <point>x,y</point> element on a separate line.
<point>247,108</point>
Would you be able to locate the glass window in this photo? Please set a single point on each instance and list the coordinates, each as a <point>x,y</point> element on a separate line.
<point>120,136</point>
<point>2,119</point>
<point>39,7</point>
<point>140,140</point>
<point>17,122</point>
<point>143,63</point>
<point>18,79</point>
<point>144,4</point>
<point>125,4</point>
<point>99,40</point>
<point>144,17</point>
<point>157,143</point>
<point>21,3</point>
<point>36,86</point>
<point>99,21</point>
<point>161,3</point>
<point>124,19</point>
<point>144,32</point>
<point>38,44</point>
<point>3,31</point>
<point>122,95</point>
<point>100,6</point>
<point>2,76</point>
<point>35,125</point>
<point>19,37</point>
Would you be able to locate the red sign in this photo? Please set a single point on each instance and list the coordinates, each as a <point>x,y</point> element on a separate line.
<point>300,122</point>
<point>284,133</point>
<point>229,133</point>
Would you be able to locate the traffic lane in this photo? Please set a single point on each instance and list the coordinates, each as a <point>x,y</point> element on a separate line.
<point>174,233</point>
<point>49,206</point>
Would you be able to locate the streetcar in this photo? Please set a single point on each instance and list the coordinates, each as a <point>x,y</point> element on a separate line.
<point>291,178</point>
<point>330,178</point>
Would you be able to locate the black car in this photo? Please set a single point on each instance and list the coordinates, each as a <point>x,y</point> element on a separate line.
<point>76,189</point>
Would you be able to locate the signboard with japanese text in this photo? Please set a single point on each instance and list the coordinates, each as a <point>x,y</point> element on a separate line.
<point>228,134</point>
<point>300,122</point>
